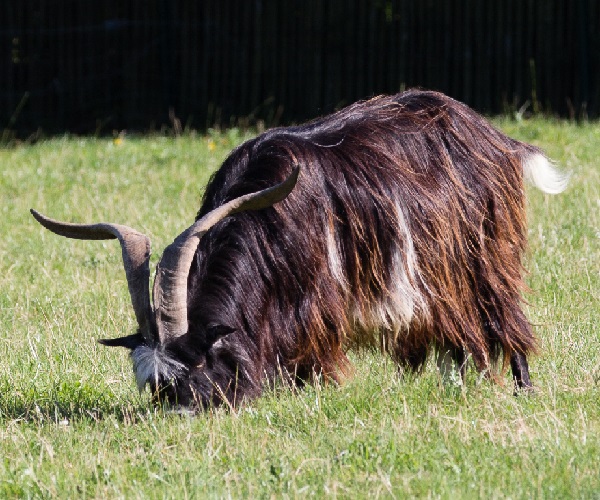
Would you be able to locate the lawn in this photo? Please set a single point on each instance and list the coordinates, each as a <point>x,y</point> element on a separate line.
<point>72,423</point>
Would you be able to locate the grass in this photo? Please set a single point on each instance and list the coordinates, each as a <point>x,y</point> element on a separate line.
<point>72,423</point>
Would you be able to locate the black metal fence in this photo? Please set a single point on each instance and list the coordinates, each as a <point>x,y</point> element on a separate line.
<point>108,65</point>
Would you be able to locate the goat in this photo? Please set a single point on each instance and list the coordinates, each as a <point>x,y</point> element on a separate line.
<point>397,222</point>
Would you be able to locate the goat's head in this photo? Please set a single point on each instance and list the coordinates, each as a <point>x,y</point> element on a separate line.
<point>175,369</point>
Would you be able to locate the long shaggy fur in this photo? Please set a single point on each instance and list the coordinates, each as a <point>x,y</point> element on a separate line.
<point>406,231</point>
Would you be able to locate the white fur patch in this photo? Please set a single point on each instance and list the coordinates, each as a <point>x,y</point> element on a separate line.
<point>541,173</point>
<point>334,259</point>
<point>403,300</point>
<point>154,364</point>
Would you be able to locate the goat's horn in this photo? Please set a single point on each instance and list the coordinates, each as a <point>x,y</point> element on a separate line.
<point>136,257</point>
<point>170,284</point>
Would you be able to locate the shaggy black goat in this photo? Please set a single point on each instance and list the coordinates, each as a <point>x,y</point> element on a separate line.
<point>405,230</point>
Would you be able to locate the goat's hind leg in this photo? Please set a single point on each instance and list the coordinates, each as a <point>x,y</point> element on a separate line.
<point>520,373</point>
<point>518,358</point>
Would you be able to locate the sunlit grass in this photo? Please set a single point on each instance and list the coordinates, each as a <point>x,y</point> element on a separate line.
<point>73,423</point>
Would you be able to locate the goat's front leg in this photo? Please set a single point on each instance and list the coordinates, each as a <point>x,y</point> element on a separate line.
<point>452,364</point>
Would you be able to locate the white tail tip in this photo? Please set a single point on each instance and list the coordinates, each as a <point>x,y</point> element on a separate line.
<point>542,174</point>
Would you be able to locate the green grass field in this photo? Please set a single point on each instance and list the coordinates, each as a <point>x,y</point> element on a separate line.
<point>72,423</point>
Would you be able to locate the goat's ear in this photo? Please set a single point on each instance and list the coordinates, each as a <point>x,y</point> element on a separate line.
<point>217,332</point>
<point>129,341</point>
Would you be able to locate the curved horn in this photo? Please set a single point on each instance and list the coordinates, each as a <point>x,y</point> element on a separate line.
<point>136,257</point>
<point>170,284</point>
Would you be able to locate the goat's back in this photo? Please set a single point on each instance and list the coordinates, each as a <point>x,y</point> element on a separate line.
<point>407,222</point>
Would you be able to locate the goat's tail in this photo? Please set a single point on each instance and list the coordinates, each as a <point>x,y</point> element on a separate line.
<point>538,170</point>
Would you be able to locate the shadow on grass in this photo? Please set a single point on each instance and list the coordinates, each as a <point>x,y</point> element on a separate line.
<point>67,402</point>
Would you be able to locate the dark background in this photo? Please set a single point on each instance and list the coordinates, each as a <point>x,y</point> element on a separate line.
<point>100,66</point>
